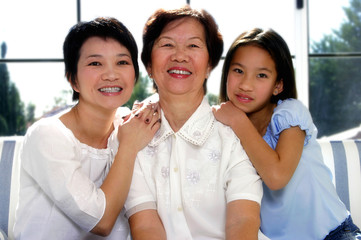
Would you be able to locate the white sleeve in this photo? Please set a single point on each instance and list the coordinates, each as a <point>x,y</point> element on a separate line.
<point>242,180</point>
<point>140,197</point>
<point>52,159</point>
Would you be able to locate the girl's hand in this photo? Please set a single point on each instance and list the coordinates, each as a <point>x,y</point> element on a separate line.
<point>227,113</point>
<point>139,127</point>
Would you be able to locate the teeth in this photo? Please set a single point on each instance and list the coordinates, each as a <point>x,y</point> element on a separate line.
<point>245,98</point>
<point>110,89</point>
<point>179,72</point>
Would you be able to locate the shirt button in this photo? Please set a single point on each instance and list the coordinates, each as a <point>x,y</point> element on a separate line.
<point>175,169</point>
<point>180,209</point>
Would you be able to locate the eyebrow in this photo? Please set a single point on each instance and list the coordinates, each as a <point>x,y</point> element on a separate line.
<point>198,38</point>
<point>259,69</point>
<point>170,38</point>
<point>99,55</point>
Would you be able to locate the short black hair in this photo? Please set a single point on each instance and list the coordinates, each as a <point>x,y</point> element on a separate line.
<point>99,27</point>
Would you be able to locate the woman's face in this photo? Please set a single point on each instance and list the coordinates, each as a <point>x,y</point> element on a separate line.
<point>106,75</point>
<point>180,60</point>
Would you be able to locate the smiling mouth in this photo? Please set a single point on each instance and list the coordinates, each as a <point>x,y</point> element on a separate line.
<point>175,71</point>
<point>244,98</point>
<point>111,89</point>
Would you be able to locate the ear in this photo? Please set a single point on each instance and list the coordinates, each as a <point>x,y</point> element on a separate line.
<point>73,86</point>
<point>149,70</point>
<point>278,88</point>
<point>209,69</point>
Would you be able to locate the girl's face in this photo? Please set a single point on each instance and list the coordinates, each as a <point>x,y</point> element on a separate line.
<point>106,75</point>
<point>179,60</point>
<point>252,79</point>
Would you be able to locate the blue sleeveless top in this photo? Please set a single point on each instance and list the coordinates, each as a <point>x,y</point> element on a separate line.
<point>308,207</point>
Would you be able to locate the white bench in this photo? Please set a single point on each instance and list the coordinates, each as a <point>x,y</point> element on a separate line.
<point>342,157</point>
<point>9,183</point>
<point>344,160</point>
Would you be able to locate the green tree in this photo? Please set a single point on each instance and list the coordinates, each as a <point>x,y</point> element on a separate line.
<point>141,91</point>
<point>335,96</point>
<point>61,101</point>
<point>212,99</point>
<point>30,113</point>
<point>12,118</point>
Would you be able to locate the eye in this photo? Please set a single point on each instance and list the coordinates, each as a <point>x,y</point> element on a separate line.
<point>262,75</point>
<point>193,46</point>
<point>94,64</point>
<point>238,70</point>
<point>123,62</point>
<point>166,44</point>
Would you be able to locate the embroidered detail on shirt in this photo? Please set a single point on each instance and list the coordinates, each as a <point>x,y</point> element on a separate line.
<point>197,134</point>
<point>165,172</point>
<point>196,130</point>
<point>160,136</point>
<point>151,151</point>
<point>193,176</point>
<point>214,156</point>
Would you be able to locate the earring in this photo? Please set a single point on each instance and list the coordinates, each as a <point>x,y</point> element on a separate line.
<point>275,92</point>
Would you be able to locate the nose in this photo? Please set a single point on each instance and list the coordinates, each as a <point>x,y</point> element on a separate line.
<point>110,74</point>
<point>180,54</point>
<point>245,83</point>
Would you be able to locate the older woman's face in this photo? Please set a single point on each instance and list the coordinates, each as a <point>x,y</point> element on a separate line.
<point>180,59</point>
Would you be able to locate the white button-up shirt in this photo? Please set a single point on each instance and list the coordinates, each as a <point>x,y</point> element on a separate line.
<point>189,176</point>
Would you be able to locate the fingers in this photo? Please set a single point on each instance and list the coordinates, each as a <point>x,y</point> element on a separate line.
<point>147,112</point>
<point>137,105</point>
<point>151,114</point>
<point>143,123</point>
<point>126,117</point>
<point>215,108</point>
<point>156,125</point>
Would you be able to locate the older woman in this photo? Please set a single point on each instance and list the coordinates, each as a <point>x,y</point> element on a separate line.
<point>194,180</point>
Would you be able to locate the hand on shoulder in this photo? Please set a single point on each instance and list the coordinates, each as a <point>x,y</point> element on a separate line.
<point>227,113</point>
<point>139,127</point>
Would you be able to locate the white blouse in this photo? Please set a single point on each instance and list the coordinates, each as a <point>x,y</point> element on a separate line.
<point>60,195</point>
<point>189,176</point>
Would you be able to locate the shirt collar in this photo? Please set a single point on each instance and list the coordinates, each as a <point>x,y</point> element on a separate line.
<point>196,130</point>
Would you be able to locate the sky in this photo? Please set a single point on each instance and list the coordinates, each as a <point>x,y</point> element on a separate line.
<point>37,30</point>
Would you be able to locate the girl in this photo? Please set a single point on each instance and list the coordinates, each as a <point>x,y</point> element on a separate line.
<point>77,166</point>
<point>277,132</point>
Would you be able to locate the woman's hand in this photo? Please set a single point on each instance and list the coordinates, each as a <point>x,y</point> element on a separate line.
<point>139,127</point>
